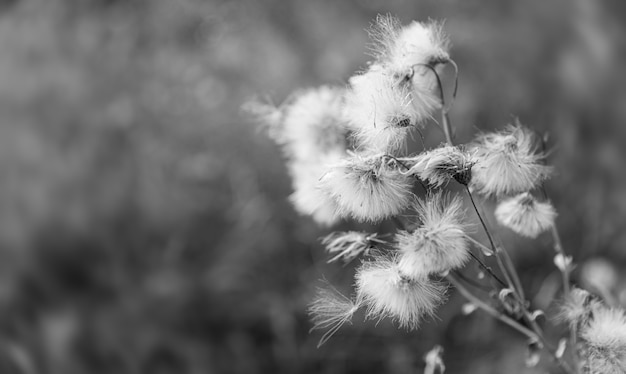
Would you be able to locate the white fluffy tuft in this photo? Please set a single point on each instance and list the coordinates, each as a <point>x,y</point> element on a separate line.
<point>438,166</point>
<point>367,188</point>
<point>605,337</point>
<point>525,215</point>
<point>507,162</point>
<point>440,243</point>
<point>382,111</point>
<point>313,124</point>
<point>577,308</point>
<point>389,293</point>
<point>312,133</point>
<point>403,47</point>
<point>308,198</point>
<point>330,310</point>
<point>400,90</point>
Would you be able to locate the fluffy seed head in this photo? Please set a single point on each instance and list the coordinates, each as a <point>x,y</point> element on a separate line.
<point>605,339</point>
<point>577,307</point>
<point>309,124</point>
<point>600,274</point>
<point>440,243</point>
<point>389,293</point>
<point>507,162</point>
<point>348,245</point>
<point>308,198</point>
<point>367,188</point>
<point>400,89</point>
<point>525,215</point>
<point>440,165</point>
<point>403,47</point>
<point>382,111</point>
<point>600,362</point>
<point>310,129</point>
<point>330,311</point>
<point>607,329</point>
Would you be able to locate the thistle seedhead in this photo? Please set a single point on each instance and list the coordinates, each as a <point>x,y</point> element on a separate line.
<point>577,308</point>
<point>605,340</point>
<point>507,162</point>
<point>380,111</point>
<point>400,89</point>
<point>440,243</point>
<point>402,47</point>
<point>388,292</point>
<point>440,165</point>
<point>367,188</point>
<point>525,215</point>
<point>310,129</point>
<point>308,198</point>
<point>309,125</point>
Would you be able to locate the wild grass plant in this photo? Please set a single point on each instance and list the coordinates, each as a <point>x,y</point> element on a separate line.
<point>345,149</point>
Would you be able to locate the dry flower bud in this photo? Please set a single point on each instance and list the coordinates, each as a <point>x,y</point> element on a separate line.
<point>434,361</point>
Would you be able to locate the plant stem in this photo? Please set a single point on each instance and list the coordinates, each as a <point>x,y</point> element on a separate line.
<point>447,129</point>
<point>488,270</point>
<point>558,248</point>
<point>494,248</point>
<point>482,246</point>
<point>507,269</point>
<point>509,263</point>
<point>490,310</point>
<point>558,244</point>
<point>535,334</point>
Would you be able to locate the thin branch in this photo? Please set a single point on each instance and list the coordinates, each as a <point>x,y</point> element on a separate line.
<point>488,270</point>
<point>535,334</point>
<point>447,129</point>
<point>490,310</point>
<point>507,268</point>
<point>509,263</point>
<point>495,249</point>
<point>472,282</point>
<point>482,246</point>
<point>558,248</point>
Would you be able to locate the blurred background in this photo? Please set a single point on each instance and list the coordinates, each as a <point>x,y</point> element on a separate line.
<point>144,226</point>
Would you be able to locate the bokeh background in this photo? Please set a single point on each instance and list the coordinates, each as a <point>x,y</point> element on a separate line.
<point>144,226</point>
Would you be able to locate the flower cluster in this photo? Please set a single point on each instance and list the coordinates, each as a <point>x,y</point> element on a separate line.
<point>345,151</point>
<point>340,142</point>
<point>402,285</point>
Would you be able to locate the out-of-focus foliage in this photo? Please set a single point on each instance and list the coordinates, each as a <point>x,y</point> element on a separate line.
<point>144,226</point>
